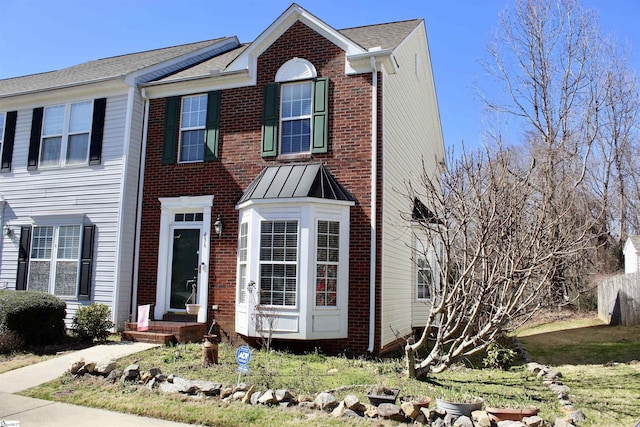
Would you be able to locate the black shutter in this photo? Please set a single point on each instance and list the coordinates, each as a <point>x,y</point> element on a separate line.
<point>213,126</point>
<point>97,131</point>
<point>34,142</point>
<point>270,119</point>
<point>7,143</point>
<point>172,109</point>
<point>86,262</point>
<point>23,258</point>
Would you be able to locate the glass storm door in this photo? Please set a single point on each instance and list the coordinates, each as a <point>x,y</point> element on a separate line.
<point>184,266</point>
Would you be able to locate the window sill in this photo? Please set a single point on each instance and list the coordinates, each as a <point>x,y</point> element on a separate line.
<point>293,157</point>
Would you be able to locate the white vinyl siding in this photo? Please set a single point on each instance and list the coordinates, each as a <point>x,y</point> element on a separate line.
<point>411,135</point>
<point>105,195</point>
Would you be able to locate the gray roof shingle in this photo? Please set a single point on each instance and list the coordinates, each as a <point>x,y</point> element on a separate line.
<point>97,70</point>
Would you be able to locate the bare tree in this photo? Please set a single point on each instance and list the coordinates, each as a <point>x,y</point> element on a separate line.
<point>498,232</point>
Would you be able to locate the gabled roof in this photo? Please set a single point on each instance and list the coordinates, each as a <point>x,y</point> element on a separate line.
<point>386,36</point>
<point>296,181</point>
<point>634,241</point>
<point>116,67</point>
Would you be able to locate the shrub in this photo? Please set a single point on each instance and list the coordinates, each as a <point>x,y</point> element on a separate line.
<point>499,357</point>
<point>92,322</point>
<point>10,342</point>
<point>35,317</point>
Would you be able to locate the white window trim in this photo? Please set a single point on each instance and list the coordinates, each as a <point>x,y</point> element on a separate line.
<point>339,284</point>
<point>73,221</point>
<point>282,120</point>
<point>169,207</point>
<point>186,129</point>
<point>62,162</point>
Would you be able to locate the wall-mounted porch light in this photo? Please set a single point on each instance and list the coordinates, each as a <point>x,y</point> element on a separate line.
<point>6,231</point>
<point>218,226</point>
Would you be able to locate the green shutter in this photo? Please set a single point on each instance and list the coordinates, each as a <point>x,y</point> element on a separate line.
<point>213,126</point>
<point>320,116</point>
<point>270,118</point>
<point>171,112</point>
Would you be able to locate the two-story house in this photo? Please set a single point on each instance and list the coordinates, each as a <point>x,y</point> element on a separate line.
<point>70,150</point>
<point>274,182</point>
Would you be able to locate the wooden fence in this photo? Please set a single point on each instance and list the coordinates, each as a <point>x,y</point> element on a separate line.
<point>619,300</point>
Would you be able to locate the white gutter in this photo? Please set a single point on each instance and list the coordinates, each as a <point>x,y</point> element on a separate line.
<point>374,198</point>
<point>136,254</point>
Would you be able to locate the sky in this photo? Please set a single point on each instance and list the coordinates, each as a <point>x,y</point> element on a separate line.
<point>44,35</point>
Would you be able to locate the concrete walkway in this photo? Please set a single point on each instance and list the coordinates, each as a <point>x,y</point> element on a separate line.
<point>35,412</point>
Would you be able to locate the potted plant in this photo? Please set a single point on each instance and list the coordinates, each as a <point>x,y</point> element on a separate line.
<point>192,308</point>
<point>459,405</point>
<point>382,394</point>
<point>498,414</point>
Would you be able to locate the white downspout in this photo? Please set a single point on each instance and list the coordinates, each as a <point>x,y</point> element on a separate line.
<point>374,198</point>
<point>143,157</point>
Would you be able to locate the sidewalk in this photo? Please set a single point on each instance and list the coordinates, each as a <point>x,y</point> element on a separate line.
<point>36,412</point>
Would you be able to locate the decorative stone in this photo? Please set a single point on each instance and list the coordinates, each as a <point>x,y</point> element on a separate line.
<point>371,412</point>
<point>226,391</point>
<point>75,366</point>
<point>255,396</point>
<point>348,413</point>
<point>131,373</point>
<point>90,367</point>
<point>390,411</point>
<point>560,422</point>
<point>411,410</point>
<point>463,421</point>
<point>268,398</point>
<point>248,395</point>
<point>153,383</point>
<point>238,395</point>
<point>439,422</point>
<point>326,401</point>
<point>155,371</point>
<point>481,419</point>
<point>283,395</point>
<point>305,398</point>
<point>534,421</point>
<point>241,387</point>
<point>104,368</point>
<point>339,410</point>
<point>114,375</point>
<point>352,402</point>
<point>307,405</point>
<point>577,417</point>
<point>209,388</point>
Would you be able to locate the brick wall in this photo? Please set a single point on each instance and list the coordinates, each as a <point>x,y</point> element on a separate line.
<point>239,162</point>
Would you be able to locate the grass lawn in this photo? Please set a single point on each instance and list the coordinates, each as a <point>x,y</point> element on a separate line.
<point>608,395</point>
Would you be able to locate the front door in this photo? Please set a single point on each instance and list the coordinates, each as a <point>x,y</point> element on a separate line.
<point>185,262</point>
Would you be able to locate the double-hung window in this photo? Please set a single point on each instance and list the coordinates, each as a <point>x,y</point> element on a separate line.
<point>278,263</point>
<point>327,263</point>
<point>424,278</point>
<point>55,259</point>
<point>65,134</point>
<point>193,120</point>
<point>242,262</point>
<point>295,117</point>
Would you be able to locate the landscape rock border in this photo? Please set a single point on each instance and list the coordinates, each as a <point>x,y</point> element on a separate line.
<point>408,412</point>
